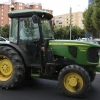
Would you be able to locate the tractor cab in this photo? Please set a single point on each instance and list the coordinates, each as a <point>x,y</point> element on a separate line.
<point>31,30</point>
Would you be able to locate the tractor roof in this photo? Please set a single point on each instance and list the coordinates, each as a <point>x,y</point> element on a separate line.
<point>29,13</point>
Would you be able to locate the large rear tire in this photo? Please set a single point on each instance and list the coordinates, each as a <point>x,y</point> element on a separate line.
<point>11,68</point>
<point>74,81</point>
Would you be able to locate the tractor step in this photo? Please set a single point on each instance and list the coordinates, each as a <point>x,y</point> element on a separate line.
<point>35,75</point>
<point>35,72</point>
<point>35,65</point>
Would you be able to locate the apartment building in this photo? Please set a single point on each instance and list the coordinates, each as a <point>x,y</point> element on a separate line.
<point>18,5</point>
<point>6,7</point>
<point>64,20</point>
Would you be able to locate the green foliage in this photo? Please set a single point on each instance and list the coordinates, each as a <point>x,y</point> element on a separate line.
<point>88,22</point>
<point>0,30</point>
<point>96,14</point>
<point>64,32</point>
<point>4,31</point>
<point>77,32</point>
<point>92,18</point>
<point>61,33</point>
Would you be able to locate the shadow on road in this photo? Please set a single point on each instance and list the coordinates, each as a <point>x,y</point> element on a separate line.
<point>41,89</point>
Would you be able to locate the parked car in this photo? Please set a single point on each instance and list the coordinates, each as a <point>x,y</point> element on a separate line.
<point>96,41</point>
<point>2,40</point>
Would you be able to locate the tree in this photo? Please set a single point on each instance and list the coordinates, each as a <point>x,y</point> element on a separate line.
<point>64,33</point>
<point>96,15</point>
<point>92,18</point>
<point>0,30</point>
<point>5,31</point>
<point>88,22</point>
<point>60,33</point>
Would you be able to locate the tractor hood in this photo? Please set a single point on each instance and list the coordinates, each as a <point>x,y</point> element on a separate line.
<point>74,50</point>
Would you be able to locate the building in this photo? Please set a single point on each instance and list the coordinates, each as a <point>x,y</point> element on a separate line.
<point>18,5</point>
<point>33,6</point>
<point>64,20</point>
<point>6,7</point>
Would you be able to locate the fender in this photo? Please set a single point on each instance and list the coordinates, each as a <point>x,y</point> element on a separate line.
<point>19,50</point>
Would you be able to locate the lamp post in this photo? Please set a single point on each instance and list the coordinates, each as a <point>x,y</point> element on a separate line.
<point>70,22</point>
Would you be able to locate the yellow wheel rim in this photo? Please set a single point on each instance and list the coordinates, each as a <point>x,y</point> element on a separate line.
<point>5,68</point>
<point>73,82</point>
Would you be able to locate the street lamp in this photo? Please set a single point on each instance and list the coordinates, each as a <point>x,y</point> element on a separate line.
<point>70,14</point>
<point>70,22</point>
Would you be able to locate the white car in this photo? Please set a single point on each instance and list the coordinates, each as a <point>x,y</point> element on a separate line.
<point>3,40</point>
<point>96,41</point>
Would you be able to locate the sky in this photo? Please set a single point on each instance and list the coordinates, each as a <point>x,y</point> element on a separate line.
<point>59,6</point>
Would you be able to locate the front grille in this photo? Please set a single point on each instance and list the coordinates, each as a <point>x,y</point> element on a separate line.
<point>92,55</point>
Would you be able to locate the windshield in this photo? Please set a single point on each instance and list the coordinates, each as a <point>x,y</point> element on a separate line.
<point>28,30</point>
<point>47,29</point>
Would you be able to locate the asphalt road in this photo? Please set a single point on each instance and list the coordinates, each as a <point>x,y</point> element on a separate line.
<point>41,89</point>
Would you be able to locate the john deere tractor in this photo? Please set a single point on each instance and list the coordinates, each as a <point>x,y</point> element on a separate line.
<point>33,52</point>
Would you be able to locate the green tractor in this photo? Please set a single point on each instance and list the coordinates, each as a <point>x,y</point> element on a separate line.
<point>33,52</point>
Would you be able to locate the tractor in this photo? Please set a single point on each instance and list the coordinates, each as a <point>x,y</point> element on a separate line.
<point>33,52</point>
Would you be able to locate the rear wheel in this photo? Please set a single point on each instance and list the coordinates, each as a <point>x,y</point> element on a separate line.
<point>74,81</point>
<point>11,68</point>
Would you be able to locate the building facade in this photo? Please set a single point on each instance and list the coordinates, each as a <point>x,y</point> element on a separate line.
<point>64,20</point>
<point>33,6</point>
<point>6,7</point>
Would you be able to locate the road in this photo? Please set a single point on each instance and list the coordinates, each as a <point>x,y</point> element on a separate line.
<point>41,89</point>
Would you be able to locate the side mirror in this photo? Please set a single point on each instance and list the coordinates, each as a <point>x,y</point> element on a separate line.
<point>35,18</point>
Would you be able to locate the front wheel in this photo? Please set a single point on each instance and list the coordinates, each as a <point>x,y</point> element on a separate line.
<point>74,81</point>
<point>92,75</point>
<point>11,67</point>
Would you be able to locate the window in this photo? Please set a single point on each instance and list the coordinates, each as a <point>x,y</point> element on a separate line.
<point>1,22</point>
<point>36,6</point>
<point>57,21</point>
<point>47,29</point>
<point>1,17</point>
<point>28,30</point>
<point>2,10</point>
<point>20,7</point>
<point>2,6</point>
<point>13,30</point>
<point>60,17</point>
<point>20,4</point>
